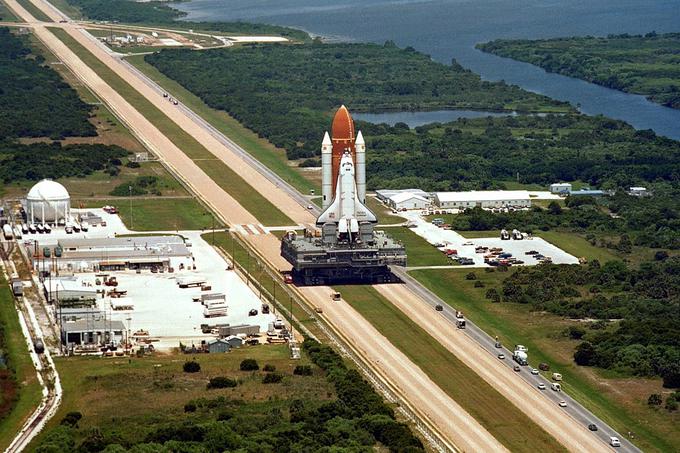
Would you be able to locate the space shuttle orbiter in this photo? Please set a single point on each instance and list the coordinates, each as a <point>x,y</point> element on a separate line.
<point>343,163</point>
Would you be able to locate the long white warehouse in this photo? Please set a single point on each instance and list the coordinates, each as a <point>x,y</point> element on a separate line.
<point>483,198</point>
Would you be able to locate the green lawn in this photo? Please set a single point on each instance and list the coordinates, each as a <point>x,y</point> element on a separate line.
<point>160,214</point>
<point>274,158</point>
<point>509,426</point>
<point>419,251</point>
<point>34,11</point>
<point>65,7</point>
<point>6,15</point>
<point>516,324</point>
<point>224,176</point>
<point>384,214</point>
<point>14,345</point>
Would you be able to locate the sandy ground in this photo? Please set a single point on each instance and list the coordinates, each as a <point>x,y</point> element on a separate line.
<point>452,421</point>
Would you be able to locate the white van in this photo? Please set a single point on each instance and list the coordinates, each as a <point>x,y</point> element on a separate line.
<point>614,442</point>
<point>556,387</point>
<point>557,377</point>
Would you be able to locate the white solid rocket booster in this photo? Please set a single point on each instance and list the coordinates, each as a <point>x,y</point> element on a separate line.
<point>360,147</point>
<point>326,171</point>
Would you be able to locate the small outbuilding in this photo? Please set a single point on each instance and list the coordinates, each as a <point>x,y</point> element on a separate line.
<point>234,341</point>
<point>218,346</point>
<point>638,191</point>
<point>560,188</point>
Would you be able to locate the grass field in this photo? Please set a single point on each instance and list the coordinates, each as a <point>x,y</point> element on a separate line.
<point>65,7</point>
<point>160,214</point>
<point>6,15</point>
<point>509,425</point>
<point>34,11</point>
<point>419,251</point>
<point>274,158</point>
<point>384,214</point>
<point>618,400</point>
<point>16,350</point>
<point>224,176</point>
<point>130,397</point>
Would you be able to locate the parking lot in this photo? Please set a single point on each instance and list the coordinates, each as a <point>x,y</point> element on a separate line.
<point>464,247</point>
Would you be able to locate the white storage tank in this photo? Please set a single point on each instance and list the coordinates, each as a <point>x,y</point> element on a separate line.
<point>48,202</point>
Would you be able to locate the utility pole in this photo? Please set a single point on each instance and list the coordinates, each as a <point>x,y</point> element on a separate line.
<point>130,192</point>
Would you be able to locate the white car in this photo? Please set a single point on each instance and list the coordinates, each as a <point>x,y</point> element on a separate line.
<point>310,207</point>
<point>501,356</point>
<point>541,386</point>
<point>614,442</point>
<point>534,371</point>
<point>563,403</point>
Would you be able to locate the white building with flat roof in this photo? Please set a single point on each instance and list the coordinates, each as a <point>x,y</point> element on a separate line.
<point>560,187</point>
<point>483,198</point>
<point>406,200</point>
<point>385,194</point>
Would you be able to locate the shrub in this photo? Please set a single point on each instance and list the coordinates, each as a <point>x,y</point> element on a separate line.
<point>307,163</point>
<point>269,367</point>
<point>479,284</point>
<point>654,399</point>
<point>671,404</point>
<point>191,366</point>
<point>303,370</point>
<point>132,164</point>
<point>71,419</point>
<point>190,407</point>
<point>249,365</point>
<point>272,378</point>
<point>471,276</point>
<point>222,382</point>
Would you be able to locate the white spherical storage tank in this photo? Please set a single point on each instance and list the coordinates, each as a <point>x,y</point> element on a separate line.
<point>48,202</point>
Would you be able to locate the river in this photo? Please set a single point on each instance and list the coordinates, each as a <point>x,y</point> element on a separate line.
<point>446,29</point>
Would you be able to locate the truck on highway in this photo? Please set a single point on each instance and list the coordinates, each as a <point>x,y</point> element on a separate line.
<point>460,319</point>
<point>520,357</point>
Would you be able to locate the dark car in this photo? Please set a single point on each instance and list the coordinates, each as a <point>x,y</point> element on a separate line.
<point>592,427</point>
<point>438,307</point>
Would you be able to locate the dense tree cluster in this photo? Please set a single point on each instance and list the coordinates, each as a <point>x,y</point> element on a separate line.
<point>633,63</point>
<point>53,160</point>
<point>285,93</point>
<point>34,100</point>
<point>476,153</point>
<point>160,12</point>
<point>141,185</point>
<point>642,303</point>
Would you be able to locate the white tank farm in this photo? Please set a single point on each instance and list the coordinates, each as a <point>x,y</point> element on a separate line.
<point>48,202</point>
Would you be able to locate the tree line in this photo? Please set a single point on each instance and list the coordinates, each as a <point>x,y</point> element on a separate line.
<point>52,160</point>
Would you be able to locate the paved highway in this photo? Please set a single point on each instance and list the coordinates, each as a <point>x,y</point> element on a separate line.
<point>574,410</point>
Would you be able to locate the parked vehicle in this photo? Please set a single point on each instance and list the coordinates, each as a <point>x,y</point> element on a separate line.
<point>562,403</point>
<point>556,377</point>
<point>541,386</point>
<point>252,312</point>
<point>336,296</point>
<point>592,427</point>
<point>460,320</point>
<point>614,441</point>
<point>534,371</point>
<point>517,368</point>
<point>438,307</point>
<point>543,366</point>
<point>501,356</point>
<point>556,387</point>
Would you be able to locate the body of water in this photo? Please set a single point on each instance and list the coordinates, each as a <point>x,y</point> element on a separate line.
<point>449,29</point>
